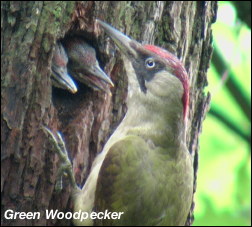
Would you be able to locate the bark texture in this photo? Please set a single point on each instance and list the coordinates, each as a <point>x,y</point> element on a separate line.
<point>29,31</point>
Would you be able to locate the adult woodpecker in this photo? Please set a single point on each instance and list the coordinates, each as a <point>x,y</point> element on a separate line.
<point>60,76</point>
<point>145,169</point>
<point>83,64</point>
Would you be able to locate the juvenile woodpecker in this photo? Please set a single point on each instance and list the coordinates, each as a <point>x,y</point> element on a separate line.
<point>60,76</point>
<point>83,64</point>
<point>145,169</point>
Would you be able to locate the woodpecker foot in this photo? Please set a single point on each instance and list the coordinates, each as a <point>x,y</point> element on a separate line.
<point>66,165</point>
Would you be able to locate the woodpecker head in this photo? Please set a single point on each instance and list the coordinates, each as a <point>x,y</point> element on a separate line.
<point>60,77</point>
<point>156,77</point>
<point>83,64</point>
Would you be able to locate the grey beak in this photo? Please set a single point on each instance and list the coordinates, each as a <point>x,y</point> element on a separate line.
<point>124,43</point>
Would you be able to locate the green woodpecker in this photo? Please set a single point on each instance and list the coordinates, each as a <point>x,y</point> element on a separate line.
<point>145,169</point>
<point>83,64</point>
<point>60,76</point>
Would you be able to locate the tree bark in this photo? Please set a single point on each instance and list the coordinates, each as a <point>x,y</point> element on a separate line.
<point>29,31</point>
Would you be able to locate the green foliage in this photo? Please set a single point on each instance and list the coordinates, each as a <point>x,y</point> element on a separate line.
<point>223,190</point>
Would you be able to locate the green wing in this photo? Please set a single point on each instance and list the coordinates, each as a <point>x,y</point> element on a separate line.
<point>145,183</point>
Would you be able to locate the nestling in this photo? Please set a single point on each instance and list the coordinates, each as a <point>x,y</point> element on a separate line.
<point>83,64</point>
<point>60,76</point>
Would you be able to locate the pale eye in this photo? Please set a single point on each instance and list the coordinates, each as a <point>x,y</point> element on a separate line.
<point>150,63</point>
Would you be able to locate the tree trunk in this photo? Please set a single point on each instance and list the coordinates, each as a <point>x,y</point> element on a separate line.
<point>86,119</point>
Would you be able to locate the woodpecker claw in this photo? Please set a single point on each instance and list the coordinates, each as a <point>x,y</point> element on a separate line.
<point>66,165</point>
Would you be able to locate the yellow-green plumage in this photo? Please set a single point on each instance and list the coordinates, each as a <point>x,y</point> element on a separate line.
<point>143,182</point>
<point>145,169</point>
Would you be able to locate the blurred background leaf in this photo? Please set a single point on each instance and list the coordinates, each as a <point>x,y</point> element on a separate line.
<point>223,195</point>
